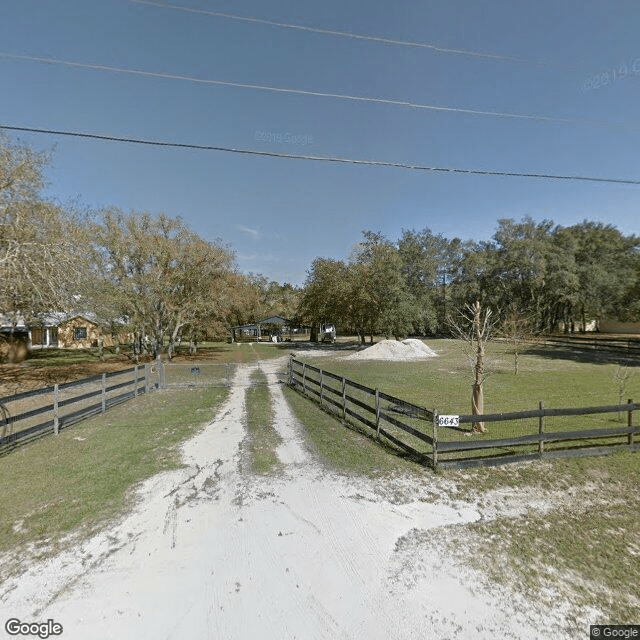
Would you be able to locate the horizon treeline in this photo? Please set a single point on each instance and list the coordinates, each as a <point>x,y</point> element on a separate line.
<point>539,274</point>
<point>152,275</point>
<point>141,274</point>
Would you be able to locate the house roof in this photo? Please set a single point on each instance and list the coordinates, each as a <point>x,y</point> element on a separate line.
<point>8,321</point>
<point>270,320</point>
<point>274,320</point>
<point>56,318</point>
<point>79,315</point>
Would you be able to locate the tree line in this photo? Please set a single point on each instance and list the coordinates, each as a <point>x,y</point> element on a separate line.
<point>148,276</point>
<point>152,276</point>
<point>536,273</point>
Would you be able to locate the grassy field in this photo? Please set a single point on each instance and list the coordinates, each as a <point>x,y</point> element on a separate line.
<point>553,375</point>
<point>585,546</point>
<point>47,366</point>
<point>77,481</point>
<point>560,378</point>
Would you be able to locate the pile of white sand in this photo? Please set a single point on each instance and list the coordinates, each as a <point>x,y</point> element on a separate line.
<point>393,350</point>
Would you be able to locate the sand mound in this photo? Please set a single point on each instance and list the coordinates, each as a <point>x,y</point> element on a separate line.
<point>392,350</point>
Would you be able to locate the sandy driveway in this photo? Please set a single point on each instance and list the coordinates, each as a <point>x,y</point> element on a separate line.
<point>212,553</point>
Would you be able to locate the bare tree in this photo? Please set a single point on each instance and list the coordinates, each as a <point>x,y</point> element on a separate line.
<point>518,330</point>
<point>41,244</point>
<point>621,377</point>
<point>475,327</point>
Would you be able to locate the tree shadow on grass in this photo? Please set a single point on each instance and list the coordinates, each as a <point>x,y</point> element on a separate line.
<point>583,355</point>
<point>318,346</point>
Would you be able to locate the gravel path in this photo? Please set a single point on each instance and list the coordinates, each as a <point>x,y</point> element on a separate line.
<point>210,552</point>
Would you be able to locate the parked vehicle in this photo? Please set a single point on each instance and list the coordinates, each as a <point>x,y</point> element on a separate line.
<point>327,333</point>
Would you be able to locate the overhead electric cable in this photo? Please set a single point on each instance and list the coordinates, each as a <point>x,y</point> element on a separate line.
<point>353,36</point>
<point>324,94</point>
<point>331,159</point>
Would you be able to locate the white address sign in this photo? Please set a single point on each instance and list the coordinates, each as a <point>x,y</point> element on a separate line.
<point>448,421</point>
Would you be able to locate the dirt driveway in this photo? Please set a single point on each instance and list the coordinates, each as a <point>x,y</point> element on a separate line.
<point>210,552</point>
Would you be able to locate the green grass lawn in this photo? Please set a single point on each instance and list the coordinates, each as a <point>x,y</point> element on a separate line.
<point>588,546</point>
<point>555,376</point>
<point>82,478</point>
<point>209,351</point>
<point>262,440</point>
<point>444,382</point>
<point>238,352</point>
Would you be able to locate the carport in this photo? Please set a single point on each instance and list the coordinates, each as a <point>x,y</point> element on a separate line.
<point>262,330</point>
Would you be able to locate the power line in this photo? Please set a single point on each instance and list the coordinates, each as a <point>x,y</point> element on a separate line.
<point>353,36</point>
<point>331,159</point>
<point>323,94</point>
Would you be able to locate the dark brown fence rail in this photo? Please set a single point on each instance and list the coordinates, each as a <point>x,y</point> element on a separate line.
<point>416,430</point>
<point>622,346</point>
<point>534,440</point>
<point>32,414</point>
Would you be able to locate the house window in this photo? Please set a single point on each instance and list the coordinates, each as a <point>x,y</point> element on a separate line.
<point>80,333</point>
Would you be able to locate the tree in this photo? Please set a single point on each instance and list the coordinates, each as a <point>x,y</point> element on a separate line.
<point>518,329</point>
<point>520,268</point>
<point>427,265</point>
<point>40,265</point>
<point>162,277</point>
<point>379,299</point>
<point>560,296</point>
<point>325,293</point>
<point>273,298</point>
<point>606,263</point>
<point>473,268</point>
<point>474,327</point>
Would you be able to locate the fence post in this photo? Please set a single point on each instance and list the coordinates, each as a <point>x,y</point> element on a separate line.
<point>377,414</point>
<point>435,439</point>
<point>304,378</point>
<point>344,399</point>
<point>541,428</point>
<point>321,387</point>
<point>161,375</point>
<point>104,392</point>
<point>146,378</point>
<point>135,382</point>
<point>56,415</point>
<point>630,423</point>
<point>291,369</point>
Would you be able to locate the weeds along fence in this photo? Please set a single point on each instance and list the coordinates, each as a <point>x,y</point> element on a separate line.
<point>437,439</point>
<point>32,414</point>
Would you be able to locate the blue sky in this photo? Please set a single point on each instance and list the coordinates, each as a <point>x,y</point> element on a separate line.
<point>279,214</point>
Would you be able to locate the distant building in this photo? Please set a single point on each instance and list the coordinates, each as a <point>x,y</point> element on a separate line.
<point>271,329</point>
<point>69,331</point>
<point>613,326</point>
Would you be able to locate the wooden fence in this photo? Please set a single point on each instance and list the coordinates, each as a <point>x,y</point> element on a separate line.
<point>404,424</point>
<point>537,442</point>
<point>32,414</point>
<point>419,434</point>
<point>200,374</point>
<point>623,346</point>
